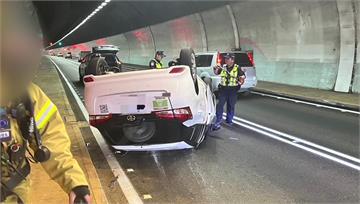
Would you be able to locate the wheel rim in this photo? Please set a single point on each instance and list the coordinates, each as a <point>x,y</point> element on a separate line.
<point>140,133</point>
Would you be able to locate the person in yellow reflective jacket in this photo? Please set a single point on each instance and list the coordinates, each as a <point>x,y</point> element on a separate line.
<point>29,121</point>
<point>232,77</point>
<point>156,62</point>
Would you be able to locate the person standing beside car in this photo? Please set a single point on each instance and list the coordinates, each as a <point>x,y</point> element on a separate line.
<point>156,62</point>
<point>232,77</point>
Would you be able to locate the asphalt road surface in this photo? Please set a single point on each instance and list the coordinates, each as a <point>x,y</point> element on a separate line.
<point>236,164</point>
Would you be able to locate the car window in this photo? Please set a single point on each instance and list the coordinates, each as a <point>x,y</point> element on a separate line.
<point>204,60</point>
<point>241,59</point>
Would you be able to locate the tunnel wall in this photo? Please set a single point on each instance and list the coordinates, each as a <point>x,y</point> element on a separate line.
<point>356,75</point>
<point>295,42</point>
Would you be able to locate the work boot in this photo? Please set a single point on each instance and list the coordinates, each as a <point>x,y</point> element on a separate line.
<point>229,123</point>
<point>216,126</point>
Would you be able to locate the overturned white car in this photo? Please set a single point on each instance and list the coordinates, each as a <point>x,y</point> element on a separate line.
<point>152,109</point>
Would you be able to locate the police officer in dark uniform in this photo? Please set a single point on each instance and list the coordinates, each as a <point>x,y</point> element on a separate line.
<point>232,77</point>
<point>156,62</point>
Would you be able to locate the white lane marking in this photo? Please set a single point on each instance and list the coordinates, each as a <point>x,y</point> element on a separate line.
<point>301,146</point>
<point>130,170</point>
<point>297,143</point>
<point>147,196</point>
<point>126,186</point>
<point>299,140</point>
<point>307,103</point>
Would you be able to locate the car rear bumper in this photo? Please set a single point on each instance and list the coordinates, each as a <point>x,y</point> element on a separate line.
<point>154,147</point>
<point>169,132</point>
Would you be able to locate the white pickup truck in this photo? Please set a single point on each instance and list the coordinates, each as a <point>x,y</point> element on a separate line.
<point>151,109</point>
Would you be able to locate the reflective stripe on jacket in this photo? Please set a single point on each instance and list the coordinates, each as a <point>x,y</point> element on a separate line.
<point>231,78</point>
<point>45,114</point>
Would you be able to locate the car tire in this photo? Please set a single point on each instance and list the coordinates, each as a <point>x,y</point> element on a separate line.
<point>81,77</point>
<point>97,66</point>
<point>120,67</point>
<point>187,57</point>
<point>140,133</point>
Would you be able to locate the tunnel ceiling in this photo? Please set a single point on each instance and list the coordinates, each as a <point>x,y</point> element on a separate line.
<point>59,17</point>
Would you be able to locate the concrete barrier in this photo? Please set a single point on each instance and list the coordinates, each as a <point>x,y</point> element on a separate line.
<point>294,42</point>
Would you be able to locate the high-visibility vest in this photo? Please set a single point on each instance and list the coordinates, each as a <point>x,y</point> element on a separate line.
<point>157,64</point>
<point>231,78</point>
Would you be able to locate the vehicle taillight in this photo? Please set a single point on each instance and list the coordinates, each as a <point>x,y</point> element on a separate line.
<point>176,70</point>
<point>251,58</point>
<point>218,59</point>
<point>181,114</point>
<point>96,120</point>
<point>88,79</point>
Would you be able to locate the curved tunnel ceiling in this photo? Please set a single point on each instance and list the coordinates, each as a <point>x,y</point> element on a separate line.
<point>59,17</point>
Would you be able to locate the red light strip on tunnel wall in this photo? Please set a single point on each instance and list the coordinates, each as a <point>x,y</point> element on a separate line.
<point>101,6</point>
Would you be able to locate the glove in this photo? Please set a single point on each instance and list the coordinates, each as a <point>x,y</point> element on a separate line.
<point>80,194</point>
<point>241,80</point>
<point>216,69</point>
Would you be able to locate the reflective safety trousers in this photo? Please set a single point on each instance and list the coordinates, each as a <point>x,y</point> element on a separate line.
<point>231,78</point>
<point>61,167</point>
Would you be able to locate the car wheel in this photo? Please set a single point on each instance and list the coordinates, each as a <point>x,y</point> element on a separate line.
<point>97,66</point>
<point>140,133</point>
<point>187,57</point>
<point>81,77</point>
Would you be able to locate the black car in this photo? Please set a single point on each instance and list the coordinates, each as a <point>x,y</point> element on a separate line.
<point>101,60</point>
<point>68,55</point>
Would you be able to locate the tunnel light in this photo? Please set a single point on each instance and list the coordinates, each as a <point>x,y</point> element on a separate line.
<point>102,5</point>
